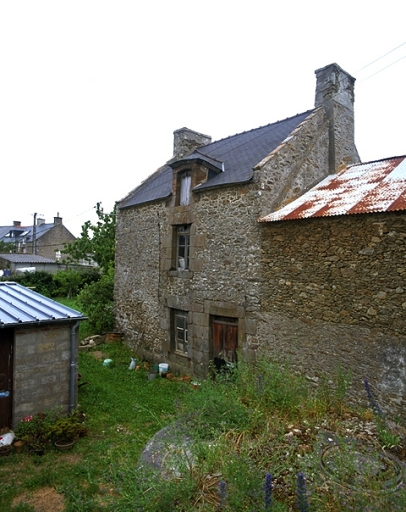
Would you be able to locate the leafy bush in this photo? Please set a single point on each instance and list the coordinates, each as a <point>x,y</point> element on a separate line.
<point>96,300</point>
<point>41,282</point>
<point>69,283</point>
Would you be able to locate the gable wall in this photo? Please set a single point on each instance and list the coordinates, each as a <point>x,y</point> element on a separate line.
<point>296,165</point>
<point>51,241</point>
<point>334,293</point>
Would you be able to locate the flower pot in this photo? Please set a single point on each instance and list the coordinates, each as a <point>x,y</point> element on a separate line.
<point>63,445</point>
<point>5,450</point>
<point>19,446</point>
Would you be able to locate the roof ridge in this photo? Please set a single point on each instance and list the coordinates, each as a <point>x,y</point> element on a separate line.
<point>373,161</point>
<point>258,128</point>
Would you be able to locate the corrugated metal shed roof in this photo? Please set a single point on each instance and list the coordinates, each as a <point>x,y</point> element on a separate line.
<point>236,156</point>
<point>378,186</point>
<point>20,305</point>
<point>25,258</point>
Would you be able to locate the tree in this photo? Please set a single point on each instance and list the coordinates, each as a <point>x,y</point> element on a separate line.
<point>6,247</point>
<point>96,242</point>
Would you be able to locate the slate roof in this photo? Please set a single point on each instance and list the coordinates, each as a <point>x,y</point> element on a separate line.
<point>26,231</point>
<point>20,305</point>
<point>25,258</point>
<point>235,157</point>
<point>378,186</point>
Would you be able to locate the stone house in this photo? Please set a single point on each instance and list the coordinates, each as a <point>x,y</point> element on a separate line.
<point>190,256</point>
<point>43,239</point>
<point>38,354</point>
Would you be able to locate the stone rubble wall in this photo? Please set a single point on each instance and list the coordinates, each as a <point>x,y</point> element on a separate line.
<point>334,293</point>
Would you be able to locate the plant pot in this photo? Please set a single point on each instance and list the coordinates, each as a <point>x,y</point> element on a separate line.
<point>152,375</point>
<point>63,445</point>
<point>19,446</point>
<point>5,450</point>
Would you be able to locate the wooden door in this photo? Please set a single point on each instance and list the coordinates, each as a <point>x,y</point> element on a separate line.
<point>6,377</point>
<point>225,340</point>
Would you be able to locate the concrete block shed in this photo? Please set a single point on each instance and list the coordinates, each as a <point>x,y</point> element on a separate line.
<point>38,354</point>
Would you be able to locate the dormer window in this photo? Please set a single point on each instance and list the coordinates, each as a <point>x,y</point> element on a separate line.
<point>185,187</point>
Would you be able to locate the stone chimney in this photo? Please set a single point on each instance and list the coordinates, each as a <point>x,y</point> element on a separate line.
<point>40,221</point>
<point>335,92</point>
<point>185,141</point>
<point>16,223</point>
<point>57,219</point>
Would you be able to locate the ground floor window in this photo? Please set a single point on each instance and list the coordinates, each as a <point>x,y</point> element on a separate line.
<point>180,333</point>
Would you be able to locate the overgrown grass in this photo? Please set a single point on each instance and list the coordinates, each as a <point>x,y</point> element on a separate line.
<point>245,425</point>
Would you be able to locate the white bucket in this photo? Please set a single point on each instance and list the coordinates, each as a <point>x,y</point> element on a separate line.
<point>163,367</point>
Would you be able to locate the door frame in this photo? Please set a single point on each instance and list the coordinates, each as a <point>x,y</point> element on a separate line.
<point>6,369</point>
<point>223,352</point>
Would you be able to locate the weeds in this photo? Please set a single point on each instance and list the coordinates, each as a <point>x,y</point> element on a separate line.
<point>254,443</point>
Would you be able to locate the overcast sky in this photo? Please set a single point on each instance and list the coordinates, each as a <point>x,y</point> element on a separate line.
<point>91,90</point>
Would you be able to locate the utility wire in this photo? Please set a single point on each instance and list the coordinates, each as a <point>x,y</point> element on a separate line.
<point>386,67</point>
<point>379,58</point>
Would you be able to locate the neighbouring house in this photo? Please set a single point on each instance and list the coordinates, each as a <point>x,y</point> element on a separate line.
<point>42,239</point>
<point>194,268</point>
<point>38,354</point>
<point>17,263</point>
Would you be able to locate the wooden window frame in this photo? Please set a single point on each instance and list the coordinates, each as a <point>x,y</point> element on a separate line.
<point>182,252</point>
<point>180,331</point>
<point>183,196</point>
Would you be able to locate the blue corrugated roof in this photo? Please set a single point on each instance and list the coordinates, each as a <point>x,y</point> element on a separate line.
<point>20,305</point>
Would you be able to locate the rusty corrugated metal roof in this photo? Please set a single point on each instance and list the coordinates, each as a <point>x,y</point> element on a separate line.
<point>378,186</point>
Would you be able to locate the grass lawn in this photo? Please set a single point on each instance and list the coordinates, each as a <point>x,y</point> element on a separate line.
<point>255,432</point>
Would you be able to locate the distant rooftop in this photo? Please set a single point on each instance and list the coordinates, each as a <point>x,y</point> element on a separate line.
<point>20,305</point>
<point>25,258</point>
<point>378,186</point>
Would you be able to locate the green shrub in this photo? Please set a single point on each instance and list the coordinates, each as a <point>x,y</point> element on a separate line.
<point>96,300</point>
<point>41,282</point>
<point>68,283</point>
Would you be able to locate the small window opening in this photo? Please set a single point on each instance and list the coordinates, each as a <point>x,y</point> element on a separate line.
<point>183,247</point>
<point>180,331</point>
<point>185,188</point>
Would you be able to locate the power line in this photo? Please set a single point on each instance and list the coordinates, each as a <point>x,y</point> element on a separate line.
<point>379,58</point>
<point>386,67</point>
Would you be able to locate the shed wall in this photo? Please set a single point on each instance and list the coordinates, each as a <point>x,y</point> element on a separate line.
<point>41,370</point>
